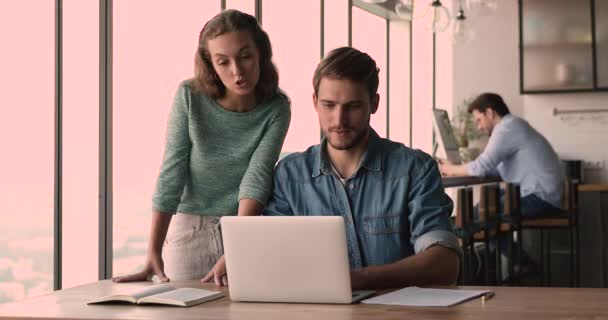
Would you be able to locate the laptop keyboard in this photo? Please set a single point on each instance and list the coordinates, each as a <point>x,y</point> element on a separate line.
<point>358,295</point>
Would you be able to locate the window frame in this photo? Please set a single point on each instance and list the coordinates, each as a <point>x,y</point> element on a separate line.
<point>105,244</point>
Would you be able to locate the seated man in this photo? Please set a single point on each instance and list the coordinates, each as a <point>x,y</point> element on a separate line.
<point>391,197</point>
<point>516,152</point>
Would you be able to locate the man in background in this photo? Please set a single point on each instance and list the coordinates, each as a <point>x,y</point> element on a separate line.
<point>517,153</point>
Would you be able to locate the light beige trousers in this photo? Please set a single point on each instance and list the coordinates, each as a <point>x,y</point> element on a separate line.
<point>192,246</point>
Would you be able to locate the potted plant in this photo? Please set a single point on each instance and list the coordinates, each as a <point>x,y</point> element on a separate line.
<point>466,132</point>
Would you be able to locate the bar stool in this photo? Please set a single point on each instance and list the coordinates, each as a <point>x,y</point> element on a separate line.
<point>487,225</point>
<point>510,225</point>
<point>558,219</point>
<point>463,222</point>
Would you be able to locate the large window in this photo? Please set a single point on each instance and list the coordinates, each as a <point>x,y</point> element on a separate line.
<point>150,60</point>
<point>289,24</point>
<point>335,24</point>
<point>422,86</point>
<point>369,36</point>
<point>80,214</point>
<point>247,6</point>
<point>399,82</point>
<point>27,144</point>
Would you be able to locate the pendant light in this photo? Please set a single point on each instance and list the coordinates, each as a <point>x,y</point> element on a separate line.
<point>462,31</point>
<point>405,9</point>
<point>438,15</point>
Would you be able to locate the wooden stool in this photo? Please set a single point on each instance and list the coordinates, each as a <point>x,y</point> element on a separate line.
<point>463,223</point>
<point>558,219</point>
<point>488,227</point>
<point>510,224</point>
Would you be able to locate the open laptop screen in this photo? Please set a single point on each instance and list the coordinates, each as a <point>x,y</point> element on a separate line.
<point>287,259</point>
<point>445,134</point>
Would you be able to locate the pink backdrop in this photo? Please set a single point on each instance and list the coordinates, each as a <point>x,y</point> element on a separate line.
<point>154,46</point>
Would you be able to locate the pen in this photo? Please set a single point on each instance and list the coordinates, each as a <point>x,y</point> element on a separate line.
<point>487,296</point>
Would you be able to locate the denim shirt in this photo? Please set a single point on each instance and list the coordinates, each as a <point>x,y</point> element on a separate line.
<point>393,206</point>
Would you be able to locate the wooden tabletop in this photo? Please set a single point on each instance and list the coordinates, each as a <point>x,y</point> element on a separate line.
<point>450,182</point>
<point>593,187</point>
<point>509,303</point>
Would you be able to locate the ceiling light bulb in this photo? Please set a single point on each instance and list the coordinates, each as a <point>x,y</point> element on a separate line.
<point>462,32</point>
<point>405,9</point>
<point>439,16</point>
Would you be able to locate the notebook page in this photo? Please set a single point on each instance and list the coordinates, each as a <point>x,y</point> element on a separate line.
<point>185,295</point>
<point>151,290</point>
<point>423,297</point>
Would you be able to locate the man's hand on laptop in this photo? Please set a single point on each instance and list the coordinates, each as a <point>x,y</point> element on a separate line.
<point>218,273</point>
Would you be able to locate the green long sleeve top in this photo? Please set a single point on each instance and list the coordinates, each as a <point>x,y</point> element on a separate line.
<point>215,157</point>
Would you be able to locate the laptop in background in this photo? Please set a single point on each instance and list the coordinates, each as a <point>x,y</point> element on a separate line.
<point>445,136</point>
<point>300,259</point>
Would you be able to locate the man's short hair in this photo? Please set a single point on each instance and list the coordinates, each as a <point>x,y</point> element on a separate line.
<point>489,100</point>
<point>348,63</point>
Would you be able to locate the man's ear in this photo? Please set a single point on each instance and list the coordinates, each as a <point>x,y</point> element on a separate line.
<point>375,102</point>
<point>314,100</point>
<point>490,113</point>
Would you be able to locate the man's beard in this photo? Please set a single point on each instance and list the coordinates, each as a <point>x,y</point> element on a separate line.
<point>356,140</point>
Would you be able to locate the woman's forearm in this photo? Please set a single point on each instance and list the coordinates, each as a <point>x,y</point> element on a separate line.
<point>158,232</point>
<point>249,207</point>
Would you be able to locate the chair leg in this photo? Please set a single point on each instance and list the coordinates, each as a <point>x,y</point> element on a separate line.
<point>471,256</point>
<point>572,257</point>
<point>498,271</point>
<point>542,258</point>
<point>548,257</point>
<point>577,261</point>
<point>510,257</point>
<point>486,263</point>
<point>520,246</point>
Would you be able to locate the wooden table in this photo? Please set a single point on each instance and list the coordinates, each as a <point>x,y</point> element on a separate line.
<point>450,182</point>
<point>593,188</point>
<point>509,303</point>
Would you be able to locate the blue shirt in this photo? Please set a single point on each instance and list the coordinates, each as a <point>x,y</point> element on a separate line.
<point>393,206</point>
<point>519,154</point>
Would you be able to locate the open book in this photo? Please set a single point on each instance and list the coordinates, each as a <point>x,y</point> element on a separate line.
<point>161,294</point>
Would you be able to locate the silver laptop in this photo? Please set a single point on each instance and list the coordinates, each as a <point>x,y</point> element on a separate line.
<point>445,135</point>
<point>288,259</point>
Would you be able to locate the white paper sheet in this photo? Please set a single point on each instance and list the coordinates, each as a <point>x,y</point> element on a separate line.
<point>423,297</point>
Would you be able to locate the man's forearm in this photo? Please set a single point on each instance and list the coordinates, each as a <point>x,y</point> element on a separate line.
<point>458,170</point>
<point>451,170</point>
<point>462,170</point>
<point>435,266</point>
